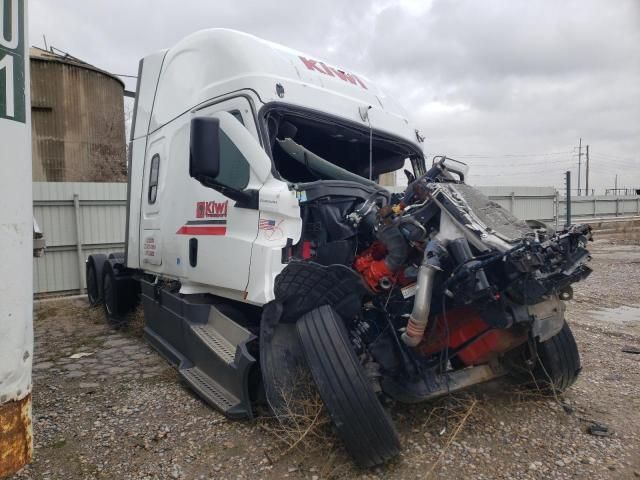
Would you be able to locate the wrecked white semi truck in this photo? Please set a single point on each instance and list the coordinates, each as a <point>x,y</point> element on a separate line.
<point>261,246</point>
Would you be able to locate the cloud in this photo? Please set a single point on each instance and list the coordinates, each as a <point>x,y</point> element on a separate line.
<point>483,80</point>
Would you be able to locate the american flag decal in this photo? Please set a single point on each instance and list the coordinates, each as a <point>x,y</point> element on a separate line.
<point>266,224</point>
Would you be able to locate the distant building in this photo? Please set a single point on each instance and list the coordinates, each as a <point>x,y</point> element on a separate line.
<point>77,117</point>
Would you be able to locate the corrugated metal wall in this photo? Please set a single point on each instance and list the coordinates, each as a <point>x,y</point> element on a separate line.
<point>101,219</point>
<point>525,202</point>
<point>602,206</point>
<point>100,216</point>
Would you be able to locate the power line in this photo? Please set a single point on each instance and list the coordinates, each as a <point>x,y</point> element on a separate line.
<point>551,162</point>
<point>515,155</point>
<point>586,187</point>
<point>514,174</point>
<point>530,161</point>
<point>579,162</point>
<point>616,157</point>
<point>485,155</point>
<point>523,164</point>
<point>609,162</point>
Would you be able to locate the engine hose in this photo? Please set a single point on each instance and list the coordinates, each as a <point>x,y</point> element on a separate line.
<point>396,245</point>
<point>417,323</point>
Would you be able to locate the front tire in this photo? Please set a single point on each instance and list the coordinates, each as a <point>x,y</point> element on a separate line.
<point>558,365</point>
<point>361,421</point>
<point>552,365</point>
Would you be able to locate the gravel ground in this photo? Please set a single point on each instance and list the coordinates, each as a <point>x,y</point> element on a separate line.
<point>121,413</point>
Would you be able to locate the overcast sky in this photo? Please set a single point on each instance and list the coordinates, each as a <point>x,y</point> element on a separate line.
<point>507,86</point>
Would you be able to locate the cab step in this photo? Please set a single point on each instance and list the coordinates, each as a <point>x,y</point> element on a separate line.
<point>208,389</point>
<point>208,346</point>
<point>215,341</point>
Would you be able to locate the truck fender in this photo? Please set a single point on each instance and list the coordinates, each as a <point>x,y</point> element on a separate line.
<point>548,318</point>
<point>124,293</point>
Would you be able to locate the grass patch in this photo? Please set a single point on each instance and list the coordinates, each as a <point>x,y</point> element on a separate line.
<point>302,424</point>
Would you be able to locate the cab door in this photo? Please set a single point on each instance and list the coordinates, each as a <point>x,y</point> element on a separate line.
<point>217,234</point>
<point>151,241</point>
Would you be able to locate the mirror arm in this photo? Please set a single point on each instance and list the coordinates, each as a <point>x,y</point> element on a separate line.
<point>244,198</point>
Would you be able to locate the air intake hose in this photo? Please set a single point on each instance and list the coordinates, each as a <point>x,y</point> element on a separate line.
<point>417,323</point>
<point>396,245</point>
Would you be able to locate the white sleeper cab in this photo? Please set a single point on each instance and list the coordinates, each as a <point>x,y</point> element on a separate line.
<point>262,246</point>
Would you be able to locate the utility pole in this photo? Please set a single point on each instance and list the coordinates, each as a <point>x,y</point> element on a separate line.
<point>586,187</point>
<point>567,177</point>
<point>579,162</point>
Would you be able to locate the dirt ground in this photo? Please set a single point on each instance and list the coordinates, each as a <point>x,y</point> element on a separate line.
<point>108,407</point>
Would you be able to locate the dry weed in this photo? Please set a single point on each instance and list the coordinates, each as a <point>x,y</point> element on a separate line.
<point>464,409</point>
<point>303,424</point>
<point>135,321</point>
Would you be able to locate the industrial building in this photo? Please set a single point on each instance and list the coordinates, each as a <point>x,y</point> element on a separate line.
<point>77,117</point>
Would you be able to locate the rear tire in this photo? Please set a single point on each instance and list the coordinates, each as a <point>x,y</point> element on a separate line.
<point>93,292</point>
<point>93,276</point>
<point>361,421</point>
<point>112,304</point>
<point>120,294</point>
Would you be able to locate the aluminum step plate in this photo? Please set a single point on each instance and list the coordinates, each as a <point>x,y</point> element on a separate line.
<point>208,388</point>
<point>215,341</point>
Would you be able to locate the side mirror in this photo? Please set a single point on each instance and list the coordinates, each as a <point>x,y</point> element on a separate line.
<point>216,161</point>
<point>204,148</point>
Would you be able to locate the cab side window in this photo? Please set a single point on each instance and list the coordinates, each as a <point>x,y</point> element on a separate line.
<point>153,179</point>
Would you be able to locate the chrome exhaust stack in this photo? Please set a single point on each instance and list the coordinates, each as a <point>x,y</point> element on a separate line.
<point>419,318</point>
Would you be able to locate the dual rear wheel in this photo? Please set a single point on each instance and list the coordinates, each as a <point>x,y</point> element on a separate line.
<point>110,284</point>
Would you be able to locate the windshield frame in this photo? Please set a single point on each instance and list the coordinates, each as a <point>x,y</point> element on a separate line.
<point>415,154</point>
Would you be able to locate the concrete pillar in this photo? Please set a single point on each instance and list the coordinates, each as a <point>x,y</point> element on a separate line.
<point>16,241</point>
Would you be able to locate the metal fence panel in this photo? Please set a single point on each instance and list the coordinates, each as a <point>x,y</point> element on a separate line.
<point>601,206</point>
<point>78,219</point>
<point>101,220</point>
<point>525,202</point>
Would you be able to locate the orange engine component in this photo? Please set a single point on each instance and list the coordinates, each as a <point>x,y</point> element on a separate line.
<point>371,265</point>
<point>464,325</point>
